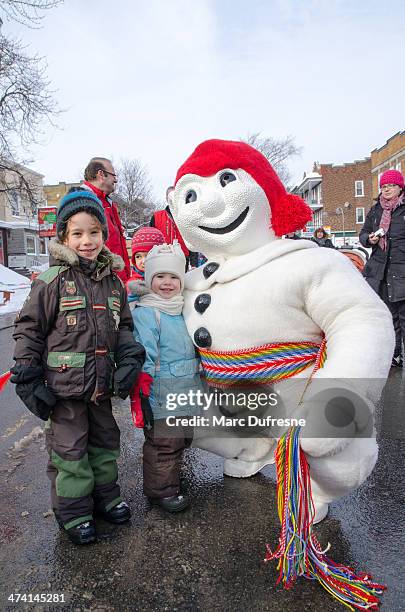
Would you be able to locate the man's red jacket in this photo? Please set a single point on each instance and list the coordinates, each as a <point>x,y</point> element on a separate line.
<point>116,241</point>
<point>164,222</point>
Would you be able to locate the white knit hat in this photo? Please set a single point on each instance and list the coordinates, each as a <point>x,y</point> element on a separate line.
<point>165,258</point>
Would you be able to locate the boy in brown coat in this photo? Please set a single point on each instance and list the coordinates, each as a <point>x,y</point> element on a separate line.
<point>74,349</point>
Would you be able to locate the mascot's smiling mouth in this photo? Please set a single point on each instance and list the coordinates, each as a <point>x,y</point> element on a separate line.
<point>227,228</point>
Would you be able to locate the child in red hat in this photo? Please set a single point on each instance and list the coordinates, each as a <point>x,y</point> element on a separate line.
<point>142,242</point>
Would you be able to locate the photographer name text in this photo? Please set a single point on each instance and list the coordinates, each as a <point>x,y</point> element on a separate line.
<point>222,421</point>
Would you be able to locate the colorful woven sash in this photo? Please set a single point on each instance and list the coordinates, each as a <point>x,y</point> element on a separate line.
<point>261,365</point>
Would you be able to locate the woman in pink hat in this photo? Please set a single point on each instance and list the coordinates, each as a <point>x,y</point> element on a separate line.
<point>384,232</point>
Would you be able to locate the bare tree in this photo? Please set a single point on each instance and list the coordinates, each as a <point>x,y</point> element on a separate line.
<point>134,191</point>
<point>277,150</point>
<point>26,12</point>
<point>26,101</point>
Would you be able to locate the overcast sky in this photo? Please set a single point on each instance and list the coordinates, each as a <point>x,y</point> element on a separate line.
<point>151,79</point>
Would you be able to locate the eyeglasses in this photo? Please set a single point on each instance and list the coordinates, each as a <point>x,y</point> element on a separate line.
<point>388,186</point>
<point>110,173</point>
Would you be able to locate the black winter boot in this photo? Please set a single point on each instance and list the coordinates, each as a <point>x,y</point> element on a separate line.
<point>121,513</point>
<point>175,503</point>
<point>85,533</point>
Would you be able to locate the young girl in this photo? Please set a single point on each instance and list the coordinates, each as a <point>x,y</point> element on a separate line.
<point>171,367</point>
<point>142,242</point>
<point>74,348</point>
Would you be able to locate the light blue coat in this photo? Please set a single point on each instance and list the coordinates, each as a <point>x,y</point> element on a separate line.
<point>170,359</point>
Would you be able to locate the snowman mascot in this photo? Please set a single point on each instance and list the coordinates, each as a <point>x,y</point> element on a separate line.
<point>268,305</point>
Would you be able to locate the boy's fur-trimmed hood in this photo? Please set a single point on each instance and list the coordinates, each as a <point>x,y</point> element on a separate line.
<point>62,253</point>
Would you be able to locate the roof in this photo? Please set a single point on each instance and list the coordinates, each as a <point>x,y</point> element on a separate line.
<point>23,224</point>
<point>311,179</point>
<point>20,167</point>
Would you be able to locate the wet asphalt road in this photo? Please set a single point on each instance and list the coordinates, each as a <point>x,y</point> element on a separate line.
<point>208,558</point>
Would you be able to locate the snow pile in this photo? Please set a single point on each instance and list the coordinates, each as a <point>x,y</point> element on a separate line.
<point>19,287</point>
<point>16,301</point>
<point>10,280</point>
<point>33,436</point>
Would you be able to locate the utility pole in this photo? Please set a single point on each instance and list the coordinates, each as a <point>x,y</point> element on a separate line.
<point>341,211</point>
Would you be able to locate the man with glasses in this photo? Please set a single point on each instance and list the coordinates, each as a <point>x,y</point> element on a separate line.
<point>100,178</point>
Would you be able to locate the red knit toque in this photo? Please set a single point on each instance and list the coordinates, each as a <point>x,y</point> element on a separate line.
<point>145,239</point>
<point>288,212</point>
<point>392,177</point>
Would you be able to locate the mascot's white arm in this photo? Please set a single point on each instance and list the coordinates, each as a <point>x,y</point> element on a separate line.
<point>360,343</point>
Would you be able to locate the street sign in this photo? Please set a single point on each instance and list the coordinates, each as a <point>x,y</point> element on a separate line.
<point>47,221</point>
<point>308,231</point>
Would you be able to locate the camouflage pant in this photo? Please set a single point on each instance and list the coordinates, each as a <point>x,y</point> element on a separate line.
<point>83,442</point>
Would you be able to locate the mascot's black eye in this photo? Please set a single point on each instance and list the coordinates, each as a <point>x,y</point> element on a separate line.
<point>191,196</point>
<point>226,177</point>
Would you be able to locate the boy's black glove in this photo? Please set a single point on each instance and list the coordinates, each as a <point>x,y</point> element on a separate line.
<point>125,376</point>
<point>31,389</point>
<point>129,357</point>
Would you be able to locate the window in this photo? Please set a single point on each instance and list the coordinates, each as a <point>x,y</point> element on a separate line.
<point>316,195</point>
<point>398,166</point>
<point>359,189</point>
<point>14,199</point>
<point>360,215</point>
<point>318,218</point>
<point>42,246</point>
<point>30,241</point>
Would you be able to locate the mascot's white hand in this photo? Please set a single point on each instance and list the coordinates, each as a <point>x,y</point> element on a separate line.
<point>335,414</point>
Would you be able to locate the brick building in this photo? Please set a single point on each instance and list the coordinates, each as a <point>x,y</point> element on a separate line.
<point>389,156</point>
<point>53,193</point>
<point>340,197</point>
<point>347,189</point>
